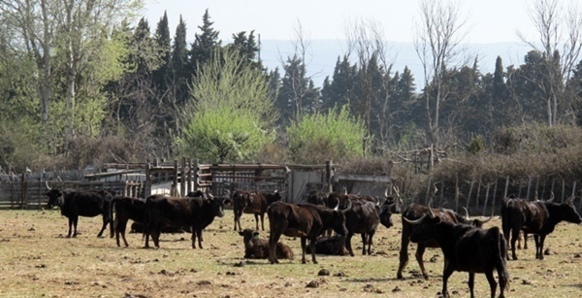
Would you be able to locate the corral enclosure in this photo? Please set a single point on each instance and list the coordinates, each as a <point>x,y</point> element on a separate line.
<point>39,262</point>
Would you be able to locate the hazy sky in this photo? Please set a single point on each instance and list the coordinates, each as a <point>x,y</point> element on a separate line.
<point>488,21</point>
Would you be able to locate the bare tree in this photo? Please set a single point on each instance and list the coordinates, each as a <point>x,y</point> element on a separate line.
<point>367,43</point>
<point>560,39</point>
<point>436,42</point>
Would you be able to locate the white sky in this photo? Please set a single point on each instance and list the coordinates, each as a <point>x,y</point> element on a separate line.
<point>488,21</point>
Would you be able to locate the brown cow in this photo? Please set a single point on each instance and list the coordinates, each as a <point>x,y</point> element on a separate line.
<point>303,220</point>
<point>258,248</point>
<point>538,218</point>
<point>252,202</point>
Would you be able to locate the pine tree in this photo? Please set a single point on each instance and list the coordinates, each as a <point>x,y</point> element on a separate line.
<point>180,71</point>
<point>204,44</point>
<point>162,38</point>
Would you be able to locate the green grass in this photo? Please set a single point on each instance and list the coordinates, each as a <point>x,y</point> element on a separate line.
<point>37,261</point>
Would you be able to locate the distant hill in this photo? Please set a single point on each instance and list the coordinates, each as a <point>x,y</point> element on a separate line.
<point>322,55</point>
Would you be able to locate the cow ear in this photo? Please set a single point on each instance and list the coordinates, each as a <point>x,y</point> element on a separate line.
<point>241,233</point>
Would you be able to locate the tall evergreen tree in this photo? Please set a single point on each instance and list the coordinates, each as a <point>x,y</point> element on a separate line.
<point>180,64</point>
<point>205,44</point>
<point>163,41</point>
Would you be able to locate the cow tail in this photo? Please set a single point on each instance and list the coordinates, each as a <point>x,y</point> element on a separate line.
<point>501,263</point>
<point>112,222</point>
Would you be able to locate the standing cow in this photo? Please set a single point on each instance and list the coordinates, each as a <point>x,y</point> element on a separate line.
<point>193,212</point>
<point>538,218</point>
<point>303,220</point>
<point>415,211</point>
<point>81,203</point>
<point>466,248</point>
<point>252,202</point>
<point>362,218</point>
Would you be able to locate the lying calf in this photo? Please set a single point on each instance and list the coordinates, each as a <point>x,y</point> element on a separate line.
<point>332,245</point>
<point>258,248</point>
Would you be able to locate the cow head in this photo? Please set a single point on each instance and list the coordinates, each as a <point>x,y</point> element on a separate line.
<point>339,219</point>
<point>424,226</point>
<point>386,210</point>
<point>474,222</point>
<point>273,197</point>
<point>55,196</point>
<point>567,211</point>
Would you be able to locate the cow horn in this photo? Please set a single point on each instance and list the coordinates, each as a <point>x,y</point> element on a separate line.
<point>414,222</point>
<point>466,213</point>
<point>386,192</point>
<point>430,212</point>
<point>551,200</point>
<point>47,185</point>
<point>482,221</point>
<point>345,191</point>
<point>349,206</point>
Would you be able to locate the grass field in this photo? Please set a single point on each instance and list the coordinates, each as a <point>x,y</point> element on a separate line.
<point>37,261</point>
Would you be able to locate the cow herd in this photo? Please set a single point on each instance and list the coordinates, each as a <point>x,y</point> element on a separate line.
<point>326,224</point>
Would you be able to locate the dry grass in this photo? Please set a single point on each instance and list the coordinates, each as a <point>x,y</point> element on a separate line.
<point>38,262</point>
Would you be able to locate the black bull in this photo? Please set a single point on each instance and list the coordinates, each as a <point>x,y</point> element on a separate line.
<point>194,212</point>
<point>466,248</point>
<point>81,203</point>
<point>415,211</point>
<point>538,218</point>
<point>302,220</point>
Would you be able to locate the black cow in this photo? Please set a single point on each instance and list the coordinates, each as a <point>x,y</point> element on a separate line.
<point>361,218</point>
<point>466,248</point>
<point>415,211</point>
<point>252,202</point>
<point>81,203</point>
<point>123,209</point>
<point>307,221</point>
<point>317,198</point>
<point>538,218</point>
<point>330,245</point>
<point>194,212</point>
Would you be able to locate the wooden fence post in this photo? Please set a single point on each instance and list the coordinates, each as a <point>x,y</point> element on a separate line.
<point>563,189</point>
<point>486,199</point>
<point>478,192</point>
<point>196,174</point>
<point>183,177</point>
<point>470,192</point>
<point>506,187</point>
<point>494,197</point>
<point>147,187</point>
<point>174,188</point>
<point>528,188</point>
<point>329,175</point>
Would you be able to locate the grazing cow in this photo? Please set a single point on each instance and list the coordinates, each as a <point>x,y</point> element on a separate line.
<point>252,202</point>
<point>303,220</point>
<point>415,211</point>
<point>194,212</point>
<point>466,248</point>
<point>81,203</point>
<point>330,245</point>
<point>538,218</point>
<point>362,218</point>
<point>258,248</point>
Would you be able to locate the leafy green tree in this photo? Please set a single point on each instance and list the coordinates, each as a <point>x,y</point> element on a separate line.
<point>320,137</point>
<point>230,116</point>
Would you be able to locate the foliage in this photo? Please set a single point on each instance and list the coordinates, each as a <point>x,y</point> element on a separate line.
<point>332,136</point>
<point>476,145</point>
<point>225,134</point>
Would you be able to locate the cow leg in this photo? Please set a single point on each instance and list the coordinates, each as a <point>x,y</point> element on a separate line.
<point>446,274</point>
<point>540,251</point>
<point>492,283</point>
<point>370,241</point>
<point>403,260</point>
<point>420,248</point>
<point>199,233</point>
<point>257,222</point>
<point>120,229</point>
<point>273,239</point>
<point>70,227</point>
<point>73,221</point>
<point>262,215</point>
<point>349,243</point>
<point>157,230</point>
<point>104,226</point>
<point>364,242</point>
<point>514,236</point>
<point>524,240</point>
<point>472,284</point>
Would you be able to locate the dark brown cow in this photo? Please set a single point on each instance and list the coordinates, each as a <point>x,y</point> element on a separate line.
<point>307,221</point>
<point>317,198</point>
<point>415,211</point>
<point>124,209</point>
<point>81,203</point>
<point>466,248</point>
<point>362,218</point>
<point>194,212</point>
<point>258,248</point>
<point>252,202</point>
<point>330,245</point>
<point>538,218</point>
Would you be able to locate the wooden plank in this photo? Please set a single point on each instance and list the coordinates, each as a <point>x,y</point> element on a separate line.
<point>361,178</point>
